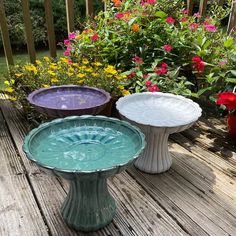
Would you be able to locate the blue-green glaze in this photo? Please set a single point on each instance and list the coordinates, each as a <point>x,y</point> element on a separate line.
<point>84,144</point>
<point>85,150</point>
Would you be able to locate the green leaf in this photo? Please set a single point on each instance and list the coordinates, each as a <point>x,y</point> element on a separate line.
<point>201,91</point>
<point>132,21</point>
<point>228,42</point>
<point>161,14</point>
<point>231,80</point>
<point>233,72</point>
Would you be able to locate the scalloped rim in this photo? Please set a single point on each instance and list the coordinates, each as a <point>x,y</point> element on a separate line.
<point>33,132</point>
<point>36,92</point>
<point>121,100</point>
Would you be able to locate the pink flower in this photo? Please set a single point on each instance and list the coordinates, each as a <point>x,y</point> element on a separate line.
<point>193,26</point>
<point>167,47</point>
<point>66,53</point>
<point>70,62</point>
<point>183,19</point>
<point>94,37</point>
<point>151,2</point>
<point>199,64</point>
<point>210,28</point>
<point>69,48</point>
<point>137,60</point>
<point>145,76</point>
<point>184,11</point>
<point>119,15</point>
<point>66,41</point>
<point>223,62</point>
<point>197,15</point>
<point>170,20</point>
<point>72,35</point>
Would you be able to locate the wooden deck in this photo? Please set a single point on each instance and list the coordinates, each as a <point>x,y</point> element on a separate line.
<point>197,196</point>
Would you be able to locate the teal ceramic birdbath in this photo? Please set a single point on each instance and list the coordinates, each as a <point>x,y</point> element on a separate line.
<point>85,150</point>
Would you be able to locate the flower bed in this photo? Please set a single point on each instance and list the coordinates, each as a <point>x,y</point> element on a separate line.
<point>150,46</point>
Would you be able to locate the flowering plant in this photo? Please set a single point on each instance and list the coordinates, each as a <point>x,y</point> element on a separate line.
<point>228,99</point>
<point>47,72</point>
<point>131,33</point>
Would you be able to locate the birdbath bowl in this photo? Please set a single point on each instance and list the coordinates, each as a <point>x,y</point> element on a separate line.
<point>69,100</point>
<point>158,115</point>
<point>85,150</point>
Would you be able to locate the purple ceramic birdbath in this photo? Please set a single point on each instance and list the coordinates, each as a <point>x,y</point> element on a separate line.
<point>68,100</point>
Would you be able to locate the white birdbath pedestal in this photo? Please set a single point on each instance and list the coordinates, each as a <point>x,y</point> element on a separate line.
<point>158,115</point>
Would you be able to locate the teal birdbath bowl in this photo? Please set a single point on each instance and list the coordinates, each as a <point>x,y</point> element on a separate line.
<point>85,151</point>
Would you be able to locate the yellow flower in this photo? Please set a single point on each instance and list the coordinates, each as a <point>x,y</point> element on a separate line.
<point>121,87</point>
<point>69,74</point>
<point>6,82</point>
<point>89,69</point>
<point>97,64</point>
<point>94,74</point>
<point>46,85</point>
<point>110,70</point>
<point>31,68</point>
<point>47,59</point>
<point>13,98</point>
<point>9,90</point>
<point>80,75</point>
<point>125,92</point>
<point>54,80</point>
<point>38,62</point>
<point>53,66</point>
<point>64,60</point>
<point>50,72</point>
<point>81,81</point>
<point>119,77</point>
<point>18,74</point>
<point>85,61</point>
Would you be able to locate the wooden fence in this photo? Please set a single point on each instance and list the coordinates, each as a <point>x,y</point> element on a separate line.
<point>70,24</point>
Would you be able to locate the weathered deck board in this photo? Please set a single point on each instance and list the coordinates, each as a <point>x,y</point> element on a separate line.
<point>197,196</point>
<point>19,212</point>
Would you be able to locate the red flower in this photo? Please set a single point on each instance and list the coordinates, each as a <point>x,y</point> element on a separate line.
<point>193,26</point>
<point>161,71</point>
<point>167,47</point>
<point>94,37</point>
<point>119,15</point>
<point>199,64</point>
<point>164,65</point>
<point>153,88</point>
<point>148,83</point>
<point>228,99</point>
<point>183,19</point>
<point>137,60</point>
<point>145,76</point>
<point>170,20</point>
<point>131,75</point>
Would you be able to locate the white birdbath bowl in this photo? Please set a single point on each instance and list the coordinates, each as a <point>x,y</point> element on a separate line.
<point>158,115</point>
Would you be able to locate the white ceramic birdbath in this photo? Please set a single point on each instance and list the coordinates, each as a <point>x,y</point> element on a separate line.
<point>158,115</point>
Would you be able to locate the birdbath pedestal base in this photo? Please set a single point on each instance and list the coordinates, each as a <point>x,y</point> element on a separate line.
<point>88,205</point>
<point>156,157</point>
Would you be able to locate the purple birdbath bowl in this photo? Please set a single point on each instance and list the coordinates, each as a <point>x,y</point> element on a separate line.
<point>68,100</point>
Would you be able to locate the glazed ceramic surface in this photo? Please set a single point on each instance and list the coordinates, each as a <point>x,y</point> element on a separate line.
<point>85,150</point>
<point>158,115</point>
<point>62,101</point>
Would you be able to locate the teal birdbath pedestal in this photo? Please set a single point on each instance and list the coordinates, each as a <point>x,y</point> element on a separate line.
<point>85,151</point>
